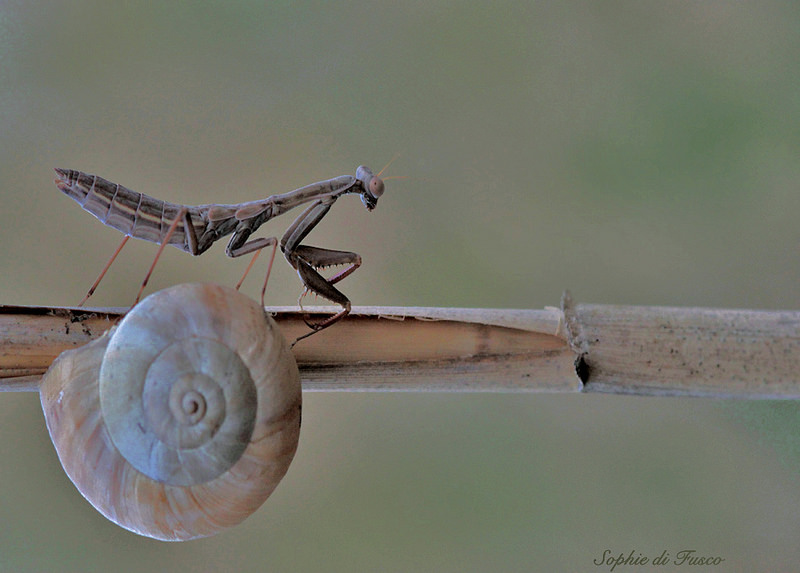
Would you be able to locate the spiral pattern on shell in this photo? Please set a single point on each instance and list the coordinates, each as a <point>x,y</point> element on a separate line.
<point>180,421</point>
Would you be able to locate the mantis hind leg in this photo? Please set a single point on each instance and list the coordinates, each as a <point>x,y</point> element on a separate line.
<point>182,217</point>
<point>91,290</point>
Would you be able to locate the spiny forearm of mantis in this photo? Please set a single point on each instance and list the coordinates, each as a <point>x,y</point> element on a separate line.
<point>574,348</point>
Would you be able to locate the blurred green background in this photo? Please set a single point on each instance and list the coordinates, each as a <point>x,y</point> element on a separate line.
<point>634,152</point>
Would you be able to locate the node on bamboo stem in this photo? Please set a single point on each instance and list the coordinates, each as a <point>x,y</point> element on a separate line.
<point>180,421</point>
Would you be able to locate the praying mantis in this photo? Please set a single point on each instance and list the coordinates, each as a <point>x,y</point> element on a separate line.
<point>194,229</point>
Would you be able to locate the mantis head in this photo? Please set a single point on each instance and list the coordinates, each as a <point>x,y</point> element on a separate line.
<point>371,185</point>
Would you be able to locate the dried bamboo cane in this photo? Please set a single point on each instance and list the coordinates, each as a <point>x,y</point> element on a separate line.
<point>575,348</point>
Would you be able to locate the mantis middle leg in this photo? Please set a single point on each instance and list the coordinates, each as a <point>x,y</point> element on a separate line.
<point>239,245</point>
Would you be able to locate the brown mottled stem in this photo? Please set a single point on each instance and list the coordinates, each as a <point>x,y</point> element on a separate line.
<point>585,347</point>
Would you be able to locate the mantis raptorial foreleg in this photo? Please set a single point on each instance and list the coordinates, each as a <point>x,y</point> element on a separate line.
<point>319,257</point>
<point>307,259</point>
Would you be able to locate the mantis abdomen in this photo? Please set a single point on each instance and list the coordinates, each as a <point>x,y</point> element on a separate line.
<point>127,211</point>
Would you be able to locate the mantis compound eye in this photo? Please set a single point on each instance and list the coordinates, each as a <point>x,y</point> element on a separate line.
<point>375,186</point>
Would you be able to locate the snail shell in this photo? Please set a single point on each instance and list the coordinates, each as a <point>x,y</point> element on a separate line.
<point>180,421</point>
